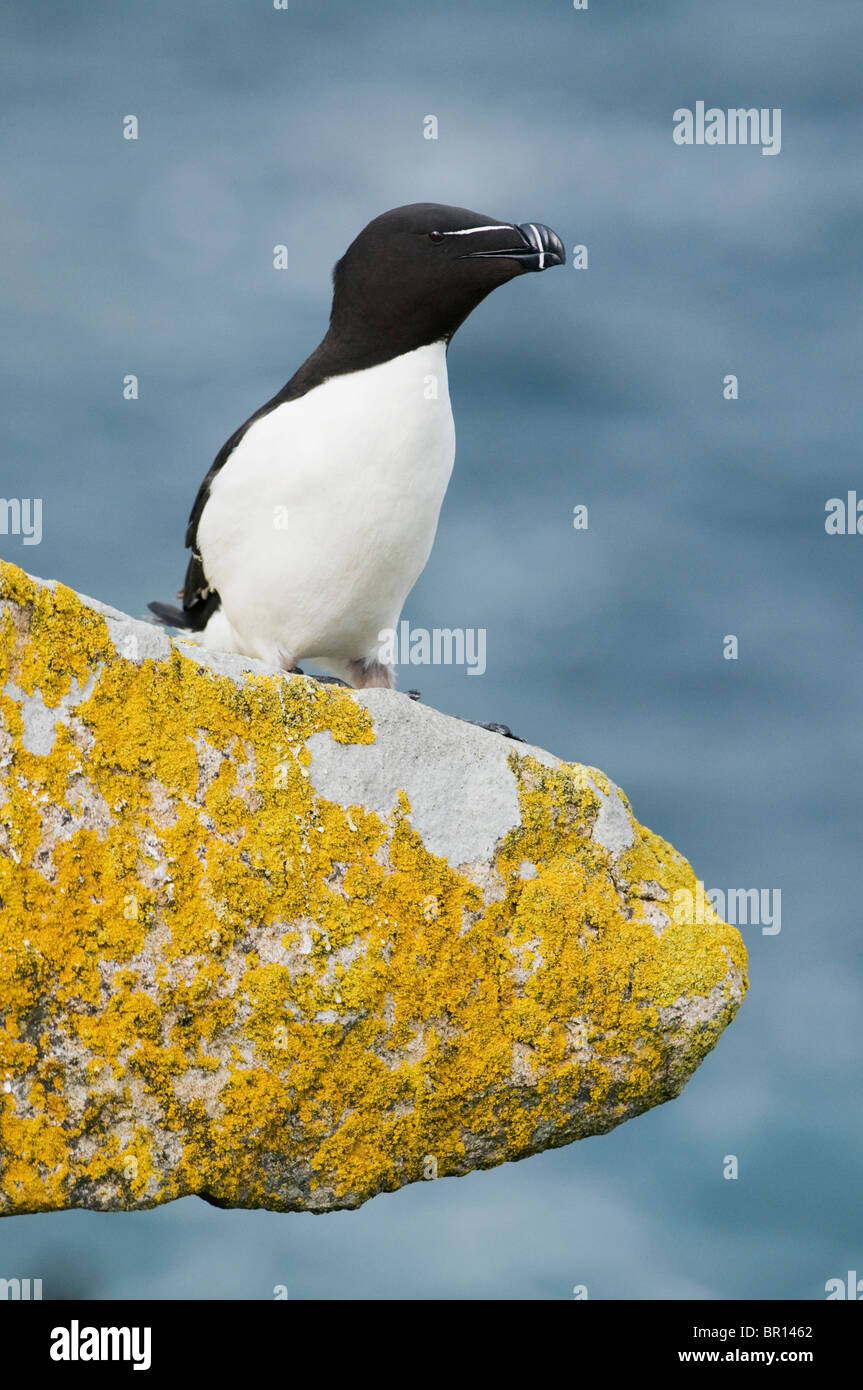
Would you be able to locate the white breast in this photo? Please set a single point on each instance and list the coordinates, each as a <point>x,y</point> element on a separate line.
<point>323,517</point>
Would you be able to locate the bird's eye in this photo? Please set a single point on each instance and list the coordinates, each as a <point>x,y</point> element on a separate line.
<point>436,236</point>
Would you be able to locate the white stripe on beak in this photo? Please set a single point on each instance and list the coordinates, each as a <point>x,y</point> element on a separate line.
<point>538,245</point>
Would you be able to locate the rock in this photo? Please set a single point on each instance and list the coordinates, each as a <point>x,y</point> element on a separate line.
<point>287,945</point>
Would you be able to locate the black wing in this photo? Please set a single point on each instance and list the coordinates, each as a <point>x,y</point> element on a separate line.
<point>199,600</point>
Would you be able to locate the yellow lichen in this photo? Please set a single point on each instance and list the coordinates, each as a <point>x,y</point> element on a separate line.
<point>173,832</point>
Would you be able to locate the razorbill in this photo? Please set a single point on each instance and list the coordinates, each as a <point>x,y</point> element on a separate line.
<point>319,513</point>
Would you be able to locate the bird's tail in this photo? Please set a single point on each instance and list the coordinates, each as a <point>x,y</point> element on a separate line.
<point>169,616</point>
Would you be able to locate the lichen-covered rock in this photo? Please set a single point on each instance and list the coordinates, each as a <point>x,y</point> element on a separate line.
<point>286,945</point>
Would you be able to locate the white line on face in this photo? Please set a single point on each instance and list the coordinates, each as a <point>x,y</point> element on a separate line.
<point>468,231</point>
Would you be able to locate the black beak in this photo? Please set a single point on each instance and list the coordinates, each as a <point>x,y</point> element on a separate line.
<point>538,248</point>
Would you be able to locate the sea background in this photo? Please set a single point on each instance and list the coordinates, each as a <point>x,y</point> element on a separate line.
<point>601,387</point>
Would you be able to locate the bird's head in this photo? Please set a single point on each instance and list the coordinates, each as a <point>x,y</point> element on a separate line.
<point>416,272</point>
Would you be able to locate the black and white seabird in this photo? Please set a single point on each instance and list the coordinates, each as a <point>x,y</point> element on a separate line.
<point>319,513</point>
